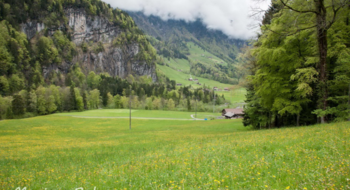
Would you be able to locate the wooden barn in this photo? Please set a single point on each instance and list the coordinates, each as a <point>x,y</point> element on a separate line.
<point>233,113</point>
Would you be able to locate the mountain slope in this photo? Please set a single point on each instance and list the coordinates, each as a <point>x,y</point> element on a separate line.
<point>209,53</point>
<point>211,40</point>
<point>62,36</point>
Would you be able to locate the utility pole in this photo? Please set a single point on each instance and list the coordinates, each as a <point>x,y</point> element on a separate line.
<point>196,109</point>
<point>213,101</point>
<point>349,104</point>
<point>130,109</point>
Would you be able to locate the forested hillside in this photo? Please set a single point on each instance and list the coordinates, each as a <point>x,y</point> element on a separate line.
<point>300,65</point>
<point>62,55</point>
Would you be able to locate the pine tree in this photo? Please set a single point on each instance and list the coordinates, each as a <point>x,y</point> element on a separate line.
<point>72,98</point>
<point>18,106</point>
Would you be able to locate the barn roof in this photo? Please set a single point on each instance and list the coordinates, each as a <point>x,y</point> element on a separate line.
<point>229,114</point>
<point>234,111</point>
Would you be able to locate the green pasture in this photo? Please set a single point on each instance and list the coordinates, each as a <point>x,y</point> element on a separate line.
<point>235,96</point>
<point>63,152</point>
<point>141,114</point>
<point>179,64</point>
<point>197,54</point>
<point>182,78</point>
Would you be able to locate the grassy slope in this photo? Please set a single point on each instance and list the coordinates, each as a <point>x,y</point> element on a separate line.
<point>57,152</point>
<point>196,53</point>
<point>236,96</point>
<point>179,64</point>
<point>182,78</point>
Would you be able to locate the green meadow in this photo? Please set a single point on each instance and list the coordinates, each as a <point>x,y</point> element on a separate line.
<point>197,54</point>
<point>64,152</point>
<point>182,78</point>
<point>156,114</point>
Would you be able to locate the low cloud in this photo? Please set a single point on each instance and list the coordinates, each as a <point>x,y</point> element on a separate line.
<point>229,16</point>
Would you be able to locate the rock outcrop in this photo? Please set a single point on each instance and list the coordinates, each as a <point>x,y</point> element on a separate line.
<point>116,61</point>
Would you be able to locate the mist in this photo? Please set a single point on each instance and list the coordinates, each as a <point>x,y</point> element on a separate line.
<point>232,17</point>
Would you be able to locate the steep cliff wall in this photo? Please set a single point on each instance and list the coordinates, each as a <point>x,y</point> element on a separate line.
<point>117,61</point>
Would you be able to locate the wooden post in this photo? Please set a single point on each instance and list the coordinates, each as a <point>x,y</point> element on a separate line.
<point>349,103</point>
<point>196,109</point>
<point>213,101</point>
<point>130,109</point>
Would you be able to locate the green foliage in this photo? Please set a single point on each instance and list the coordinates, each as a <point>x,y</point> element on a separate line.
<point>286,83</point>
<point>4,86</point>
<point>41,100</point>
<point>66,48</point>
<point>18,106</point>
<point>16,83</point>
<point>94,99</point>
<point>47,52</point>
<point>99,47</point>
<point>211,72</point>
<point>78,100</point>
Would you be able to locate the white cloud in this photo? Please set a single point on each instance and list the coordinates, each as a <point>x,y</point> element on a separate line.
<point>229,16</point>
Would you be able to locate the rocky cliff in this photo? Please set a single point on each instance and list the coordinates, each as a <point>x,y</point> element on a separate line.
<point>117,61</point>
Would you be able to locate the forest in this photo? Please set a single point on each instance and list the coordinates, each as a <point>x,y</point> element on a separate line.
<point>25,90</point>
<point>299,67</point>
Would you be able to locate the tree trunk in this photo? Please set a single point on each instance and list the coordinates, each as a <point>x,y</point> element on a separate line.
<point>322,48</point>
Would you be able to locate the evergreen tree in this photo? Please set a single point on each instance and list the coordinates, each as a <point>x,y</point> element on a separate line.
<point>18,106</point>
<point>189,104</point>
<point>72,98</point>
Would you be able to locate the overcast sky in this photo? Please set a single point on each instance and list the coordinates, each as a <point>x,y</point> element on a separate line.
<point>229,16</point>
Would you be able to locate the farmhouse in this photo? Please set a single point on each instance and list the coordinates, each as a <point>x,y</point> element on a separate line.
<point>215,88</point>
<point>226,89</point>
<point>178,84</point>
<point>233,113</point>
<point>190,79</point>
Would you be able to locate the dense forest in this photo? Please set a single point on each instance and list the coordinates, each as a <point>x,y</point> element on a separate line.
<point>300,65</point>
<point>25,90</point>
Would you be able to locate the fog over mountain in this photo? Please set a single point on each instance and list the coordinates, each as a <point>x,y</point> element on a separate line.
<point>229,16</point>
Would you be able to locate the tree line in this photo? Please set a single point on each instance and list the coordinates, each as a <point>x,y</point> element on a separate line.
<point>102,91</point>
<point>299,65</point>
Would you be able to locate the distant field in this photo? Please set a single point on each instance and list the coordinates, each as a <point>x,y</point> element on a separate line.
<point>235,96</point>
<point>62,152</point>
<point>182,78</point>
<point>140,113</point>
<point>179,64</point>
<point>197,54</point>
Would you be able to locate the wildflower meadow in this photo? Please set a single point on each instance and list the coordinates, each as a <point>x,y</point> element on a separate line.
<point>63,152</point>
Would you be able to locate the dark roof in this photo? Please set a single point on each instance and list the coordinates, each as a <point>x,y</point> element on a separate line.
<point>236,111</point>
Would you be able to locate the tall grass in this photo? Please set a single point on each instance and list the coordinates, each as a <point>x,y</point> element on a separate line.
<point>58,152</point>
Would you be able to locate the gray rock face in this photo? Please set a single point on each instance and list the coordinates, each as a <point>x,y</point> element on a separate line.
<point>31,28</point>
<point>116,61</point>
<point>88,28</point>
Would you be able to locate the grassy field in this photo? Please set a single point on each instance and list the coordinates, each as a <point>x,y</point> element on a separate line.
<point>179,64</point>
<point>140,114</point>
<point>62,152</point>
<point>182,78</point>
<point>197,54</point>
